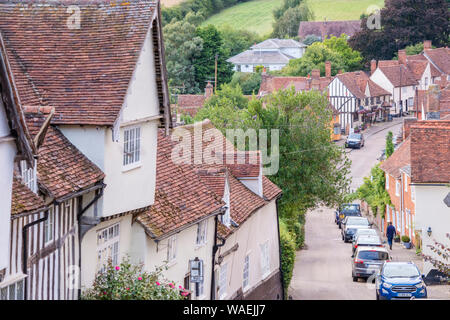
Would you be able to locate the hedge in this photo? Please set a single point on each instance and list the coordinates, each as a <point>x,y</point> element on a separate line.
<point>287,244</point>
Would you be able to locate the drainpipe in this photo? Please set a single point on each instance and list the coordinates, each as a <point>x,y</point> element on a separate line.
<point>214,250</point>
<point>279,247</point>
<point>25,251</point>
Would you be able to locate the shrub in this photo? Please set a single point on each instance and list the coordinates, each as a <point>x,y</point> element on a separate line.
<point>129,282</point>
<point>298,231</point>
<point>287,248</point>
<point>405,239</point>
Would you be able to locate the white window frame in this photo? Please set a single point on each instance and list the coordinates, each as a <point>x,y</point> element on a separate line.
<point>246,272</point>
<point>202,228</point>
<point>265,259</point>
<point>131,156</point>
<point>223,281</point>
<point>172,249</point>
<point>108,244</point>
<point>28,175</point>
<point>8,290</point>
<point>397,188</point>
<point>413,193</point>
<point>49,226</point>
<point>406,183</point>
<point>387,181</point>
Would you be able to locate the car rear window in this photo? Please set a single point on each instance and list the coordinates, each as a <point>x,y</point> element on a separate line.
<point>372,255</point>
<point>358,222</point>
<point>368,240</point>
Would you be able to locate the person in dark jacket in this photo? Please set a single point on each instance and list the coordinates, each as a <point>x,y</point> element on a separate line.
<point>390,233</point>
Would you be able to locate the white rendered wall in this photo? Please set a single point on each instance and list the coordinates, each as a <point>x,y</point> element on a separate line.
<point>431,211</point>
<point>7,154</point>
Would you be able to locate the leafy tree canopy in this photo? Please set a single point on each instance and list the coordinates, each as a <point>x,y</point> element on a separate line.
<point>249,82</point>
<point>403,23</point>
<point>286,26</point>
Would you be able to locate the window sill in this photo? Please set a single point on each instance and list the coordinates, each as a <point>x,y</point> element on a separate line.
<point>132,166</point>
<point>199,246</point>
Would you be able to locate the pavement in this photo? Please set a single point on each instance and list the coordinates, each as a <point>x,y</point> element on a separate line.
<point>322,269</point>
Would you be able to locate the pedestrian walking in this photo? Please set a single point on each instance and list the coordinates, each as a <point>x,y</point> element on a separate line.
<point>390,233</point>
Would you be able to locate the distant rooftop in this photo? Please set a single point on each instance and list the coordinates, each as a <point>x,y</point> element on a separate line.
<point>278,44</point>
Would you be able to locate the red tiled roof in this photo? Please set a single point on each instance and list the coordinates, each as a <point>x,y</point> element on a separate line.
<point>271,84</point>
<point>270,189</point>
<point>400,158</point>
<point>181,197</point>
<point>23,199</point>
<point>399,75</point>
<point>84,73</point>
<point>430,151</point>
<point>61,167</point>
<point>190,103</point>
<point>440,57</point>
<point>357,81</point>
<point>328,28</point>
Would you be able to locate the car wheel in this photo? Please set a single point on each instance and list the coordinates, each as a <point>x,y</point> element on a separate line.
<point>378,296</point>
<point>355,279</point>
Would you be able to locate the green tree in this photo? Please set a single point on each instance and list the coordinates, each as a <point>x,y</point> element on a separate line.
<point>286,26</point>
<point>389,145</point>
<point>248,81</point>
<point>373,191</point>
<point>182,48</point>
<point>310,39</point>
<point>237,41</point>
<point>204,64</point>
<point>351,58</point>
<point>314,58</point>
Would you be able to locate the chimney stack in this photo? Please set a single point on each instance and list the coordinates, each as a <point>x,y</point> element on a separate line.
<point>327,69</point>
<point>373,66</point>
<point>209,90</point>
<point>315,74</point>
<point>402,57</point>
<point>426,44</point>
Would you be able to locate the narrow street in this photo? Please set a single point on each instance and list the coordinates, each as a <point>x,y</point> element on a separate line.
<point>323,269</point>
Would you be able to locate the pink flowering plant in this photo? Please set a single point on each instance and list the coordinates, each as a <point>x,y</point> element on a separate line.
<point>129,282</point>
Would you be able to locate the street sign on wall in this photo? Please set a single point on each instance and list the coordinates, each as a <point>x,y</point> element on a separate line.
<point>196,268</point>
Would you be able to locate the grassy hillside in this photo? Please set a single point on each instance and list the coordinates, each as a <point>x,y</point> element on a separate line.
<point>257,15</point>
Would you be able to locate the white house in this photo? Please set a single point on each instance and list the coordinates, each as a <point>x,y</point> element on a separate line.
<point>430,178</point>
<point>108,104</point>
<point>273,54</point>
<point>397,77</point>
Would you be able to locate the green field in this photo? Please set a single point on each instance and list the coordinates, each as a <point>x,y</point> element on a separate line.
<point>257,15</point>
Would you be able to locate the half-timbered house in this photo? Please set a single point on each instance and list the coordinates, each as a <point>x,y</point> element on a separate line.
<point>106,79</point>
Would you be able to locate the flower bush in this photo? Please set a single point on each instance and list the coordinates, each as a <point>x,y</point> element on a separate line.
<point>129,282</point>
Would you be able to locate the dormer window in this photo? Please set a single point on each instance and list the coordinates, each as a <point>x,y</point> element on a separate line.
<point>29,175</point>
<point>131,146</point>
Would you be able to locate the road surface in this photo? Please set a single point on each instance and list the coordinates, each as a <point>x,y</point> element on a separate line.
<point>323,269</point>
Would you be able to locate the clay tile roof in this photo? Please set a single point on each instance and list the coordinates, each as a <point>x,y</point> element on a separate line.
<point>328,28</point>
<point>84,73</point>
<point>23,199</point>
<point>190,103</point>
<point>400,158</point>
<point>430,152</point>
<point>440,57</point>
<point>357,82</point>
<point>61,167</point>
<point>270,189</point>
<point>399,75</point>
<point>417,68</point>
<point>181,197</point>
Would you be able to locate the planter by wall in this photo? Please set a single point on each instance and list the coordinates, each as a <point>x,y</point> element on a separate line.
<point>407,245</point>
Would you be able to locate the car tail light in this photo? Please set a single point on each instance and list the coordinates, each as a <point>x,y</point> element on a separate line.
<point>359,261</point>
<point>356,246</point>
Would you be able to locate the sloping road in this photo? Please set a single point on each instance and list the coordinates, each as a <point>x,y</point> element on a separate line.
<point>323,269</point>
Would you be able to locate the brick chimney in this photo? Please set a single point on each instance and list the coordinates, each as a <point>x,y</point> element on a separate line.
<point>209,90</point>
<point>373,66</point>
<point>426,44</point>
<point>433,103</point>
<point>402,57</point>
<point>327,69</point>
<point>315,73</point>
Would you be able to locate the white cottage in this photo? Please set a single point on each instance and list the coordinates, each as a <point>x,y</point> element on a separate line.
<point>273,54</point>
<point>110,98</point>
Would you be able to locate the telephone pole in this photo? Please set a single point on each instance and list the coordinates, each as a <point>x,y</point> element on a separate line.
<point>215,73</point>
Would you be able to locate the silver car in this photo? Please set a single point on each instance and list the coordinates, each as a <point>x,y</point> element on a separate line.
<point>368,261</point>
<point>351,224</point>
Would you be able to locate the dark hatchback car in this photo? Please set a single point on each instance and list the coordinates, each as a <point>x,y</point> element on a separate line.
<point>366,241</point>
<point>355,140</point>
<point>368,261</point>
<point>347,209</point>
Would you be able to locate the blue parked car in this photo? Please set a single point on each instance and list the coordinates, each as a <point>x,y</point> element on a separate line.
<point>400,280</point>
